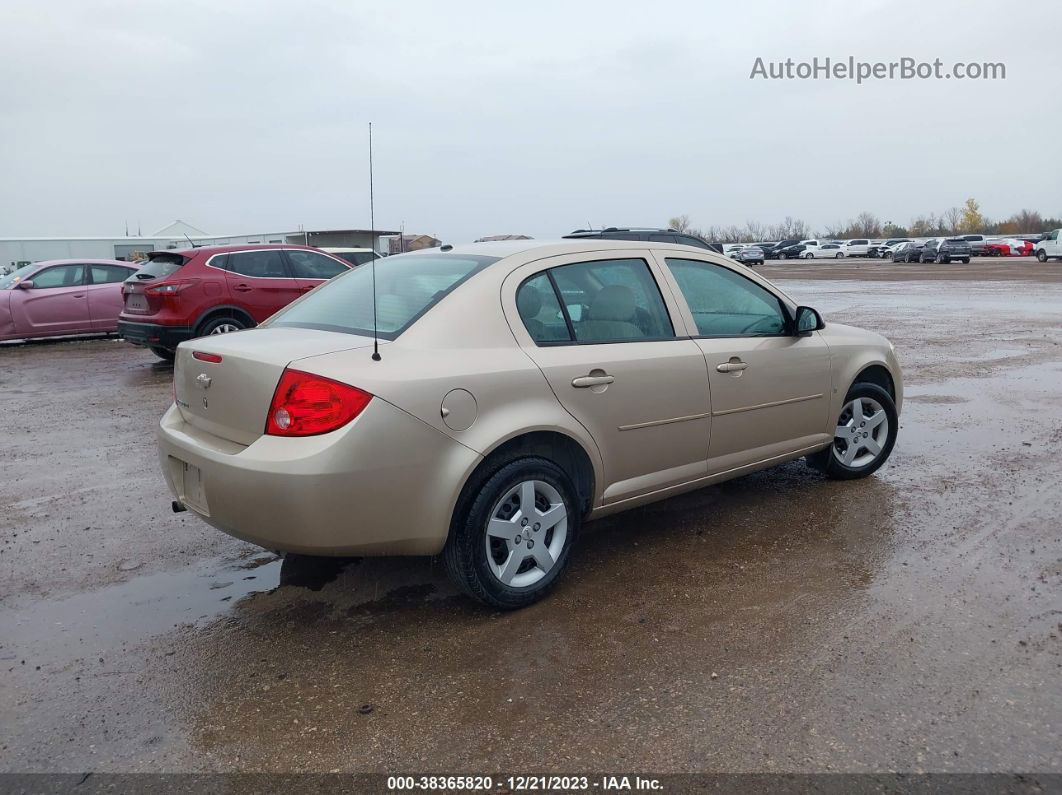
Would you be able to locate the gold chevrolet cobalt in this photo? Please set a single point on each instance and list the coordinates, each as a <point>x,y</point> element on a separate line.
<point>522,389</point>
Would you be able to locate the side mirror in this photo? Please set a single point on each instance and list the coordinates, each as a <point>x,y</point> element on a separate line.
<point>807,320</point>
<point>25,285</point>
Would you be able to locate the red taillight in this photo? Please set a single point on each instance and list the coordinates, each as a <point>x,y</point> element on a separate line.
<point>213,358</point>
<point>171,288</point>
<point>307,405</point>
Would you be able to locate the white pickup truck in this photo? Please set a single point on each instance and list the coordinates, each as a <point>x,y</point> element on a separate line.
<point>1050,246</point>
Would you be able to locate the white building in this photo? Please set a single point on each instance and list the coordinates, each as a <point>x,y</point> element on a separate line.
<point>18,251</point>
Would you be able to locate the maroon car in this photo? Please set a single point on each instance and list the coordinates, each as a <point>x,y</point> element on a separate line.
<point>62,297</point>
<point>179,295</point>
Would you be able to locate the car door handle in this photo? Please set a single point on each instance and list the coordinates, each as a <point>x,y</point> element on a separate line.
<point>733,366</point>
<point>309,287</point>
<point>585,381</point>
<point>243,288</point>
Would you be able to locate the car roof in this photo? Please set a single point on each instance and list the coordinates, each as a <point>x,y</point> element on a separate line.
<point>196,250</point>
<point>87,262</point>
<point>550,248</point>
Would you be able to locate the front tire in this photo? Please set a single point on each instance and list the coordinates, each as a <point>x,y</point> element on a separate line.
<point>509,541</point>
<point>864,436</point>
<point>1041,256</point>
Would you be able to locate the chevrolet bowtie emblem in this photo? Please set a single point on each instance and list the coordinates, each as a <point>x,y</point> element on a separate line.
<point>203,380</point>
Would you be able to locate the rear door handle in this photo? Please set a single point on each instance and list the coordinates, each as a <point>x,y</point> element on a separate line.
<point>584,381</point>
<point>243,288</point>
<point>733,366</point>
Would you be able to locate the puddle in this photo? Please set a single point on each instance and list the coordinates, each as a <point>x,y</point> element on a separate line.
<point>126,613</point>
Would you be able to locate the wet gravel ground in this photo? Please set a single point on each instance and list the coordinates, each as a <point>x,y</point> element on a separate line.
<point>911,621</point>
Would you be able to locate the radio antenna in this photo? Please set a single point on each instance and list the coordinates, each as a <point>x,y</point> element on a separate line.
<point>372,238</point>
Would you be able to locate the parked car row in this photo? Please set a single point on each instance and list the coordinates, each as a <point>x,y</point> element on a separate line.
<point>170,297</point>
<point>900,249</point>
<point>179,295</point>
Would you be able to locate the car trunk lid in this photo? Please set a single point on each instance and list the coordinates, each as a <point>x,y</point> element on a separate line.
<point>230,398</point>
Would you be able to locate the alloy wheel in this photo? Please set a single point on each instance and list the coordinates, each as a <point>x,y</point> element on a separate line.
<point>224,328</point>
<point>526,533</point>
<point>862,431</point>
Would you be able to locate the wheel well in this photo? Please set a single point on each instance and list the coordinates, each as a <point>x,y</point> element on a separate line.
<point>562,450</point>
<point>225,311</point>
<point>879,376</point>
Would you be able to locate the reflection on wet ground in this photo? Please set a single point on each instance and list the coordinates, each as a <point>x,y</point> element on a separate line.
<point>780,621</point>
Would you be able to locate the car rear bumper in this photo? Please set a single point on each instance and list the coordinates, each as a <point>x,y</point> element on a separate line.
<point>153,335</point>
<point>385,484</point>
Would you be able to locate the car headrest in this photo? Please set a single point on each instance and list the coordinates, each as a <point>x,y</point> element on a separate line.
<point>614,302</point>
<point>529,302</point>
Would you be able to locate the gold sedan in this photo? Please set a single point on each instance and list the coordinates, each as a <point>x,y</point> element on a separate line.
<point>521,389</point>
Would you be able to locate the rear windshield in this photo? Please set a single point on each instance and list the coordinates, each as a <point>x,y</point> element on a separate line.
<point>353,257</point>
<point>160,266</point>
<point>407,286</point>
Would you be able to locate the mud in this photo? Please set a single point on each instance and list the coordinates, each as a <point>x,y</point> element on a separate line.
<point>780,622</point>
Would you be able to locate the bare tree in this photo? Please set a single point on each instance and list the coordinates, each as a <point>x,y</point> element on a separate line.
<point>951,221</point>
<point>680,223</point>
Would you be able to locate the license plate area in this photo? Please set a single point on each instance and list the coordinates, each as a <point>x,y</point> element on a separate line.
<point>136,302</point>
<point>189,481</point>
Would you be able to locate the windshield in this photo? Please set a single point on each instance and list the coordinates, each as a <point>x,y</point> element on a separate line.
<point>407,286</point>
<point>13,278</point>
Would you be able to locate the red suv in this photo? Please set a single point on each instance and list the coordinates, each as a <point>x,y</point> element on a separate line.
<point>179,295</point>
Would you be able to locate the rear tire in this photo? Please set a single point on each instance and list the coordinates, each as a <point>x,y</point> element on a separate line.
<point>510,538</point>
<point>221,325</point>
<point>861,445</point>
<point>164,354</point>
<point>965,260</point>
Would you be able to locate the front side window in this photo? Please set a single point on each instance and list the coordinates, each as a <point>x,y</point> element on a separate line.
<point>310,265</point>
<point>59,276</point>
<point>613,301</point>
<point>725,304</point>
<point>407,286</point>
<point>265,264</point>
<point>540,310</point>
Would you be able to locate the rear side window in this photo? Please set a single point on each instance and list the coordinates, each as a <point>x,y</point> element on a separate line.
<point>612,301</point>
<point>310,265</point>
<point>265,264</point>
<point>687,240</point>
<point>540,310</point>
<point>108,274</point>
<point>407,286</point>
<point>159,266</point>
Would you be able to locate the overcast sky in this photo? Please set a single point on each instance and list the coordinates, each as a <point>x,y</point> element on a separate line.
<point>532,118</point>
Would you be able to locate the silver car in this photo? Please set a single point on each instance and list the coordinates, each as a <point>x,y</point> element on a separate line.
<point>520,389</point>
